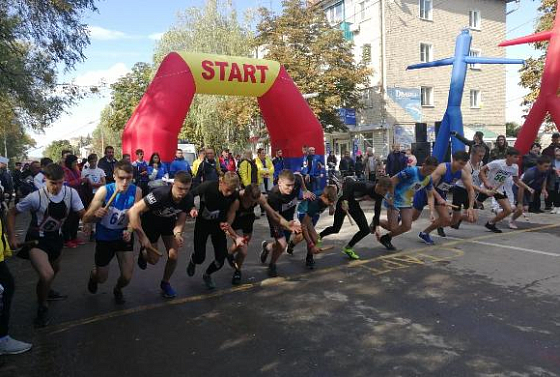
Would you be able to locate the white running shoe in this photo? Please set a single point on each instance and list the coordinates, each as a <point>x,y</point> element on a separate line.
<point>512,225</point>
<point>10,346</point>
<point>554,211</point>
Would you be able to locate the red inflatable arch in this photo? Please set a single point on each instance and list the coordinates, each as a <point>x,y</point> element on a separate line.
<point>157,120</point>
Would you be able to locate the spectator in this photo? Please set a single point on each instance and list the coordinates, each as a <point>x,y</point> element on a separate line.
<point>72,178</point>
<point>27,184</point>
<point>156,172</point>
<point>332,161</point>
<point>209,169</point>
<point>94,175</point>
<point>83,164</point>
<point>313,169</point>
<point>126,158</point>
<point>550,151</point>
<point>107,163</point>
<point>396,161</point>
<point>478,139</point>
<point>412,161</point>
<point>227,161</point>
<point>39,179</point>
<point>530,160</point>
<point>196,163</point>
<point>141,172</point>
<point>265,170</point>
<point>553,183</point>
<point>304,158</point>
<point>16,177</point>
<point>179,164</point>
<point>65,153</point>
<point>278,163</point>
<point>499,151</point>
<point>248,171</point>
<point>371,165</point>
<point>5,178</point>
<point>347,165</point>
<point>359,166</point>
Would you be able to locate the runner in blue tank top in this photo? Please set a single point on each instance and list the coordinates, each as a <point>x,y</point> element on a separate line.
<point>112,233</point>
<point>444,178</point>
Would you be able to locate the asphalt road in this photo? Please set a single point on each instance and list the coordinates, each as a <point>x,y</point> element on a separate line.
<point>476,304</point>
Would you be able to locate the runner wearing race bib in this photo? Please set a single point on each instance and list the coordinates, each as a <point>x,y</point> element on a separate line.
<point>50,207</point>
<point>112,236</point>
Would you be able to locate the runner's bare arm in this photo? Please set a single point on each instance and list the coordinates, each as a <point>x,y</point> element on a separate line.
<point>95,211</point>
<point>484,178</point>
<point>521,184</point>
<point>10,227</point>
<point>134,222</point>
<point>231,218</point>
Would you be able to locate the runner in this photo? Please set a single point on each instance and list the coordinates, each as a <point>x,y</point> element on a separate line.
<point>283,198</point>
<point>535,178</point>
<point>241,217</point>
<point>164,212</point>
<point>51,205</point>
<point>112,236</point>
<point>216,198</point>
<point>405,185</point>
<point>348,204</point>
<point>444,177</point>
<point>493,176</point>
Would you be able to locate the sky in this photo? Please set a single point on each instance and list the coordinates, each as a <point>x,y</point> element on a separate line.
<point>124,32</point>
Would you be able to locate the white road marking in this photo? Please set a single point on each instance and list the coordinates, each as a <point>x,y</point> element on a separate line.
<point>504,246</point>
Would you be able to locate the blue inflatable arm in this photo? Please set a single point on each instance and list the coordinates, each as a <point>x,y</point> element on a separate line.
<point>480,60</point>
<point>435,63</point>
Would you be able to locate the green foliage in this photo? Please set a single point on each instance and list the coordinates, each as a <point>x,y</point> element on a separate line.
<point>105,134</point>
<point>512,129</point>
<point>316,56</point>
<point>54,149</point>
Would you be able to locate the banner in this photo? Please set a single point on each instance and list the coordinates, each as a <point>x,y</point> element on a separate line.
<point>348,116</point>
<point>409,100</point>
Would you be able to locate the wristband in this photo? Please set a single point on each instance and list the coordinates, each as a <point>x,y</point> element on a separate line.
<point>128,230</point>
<point>177,234</point>
<point>310,245</point>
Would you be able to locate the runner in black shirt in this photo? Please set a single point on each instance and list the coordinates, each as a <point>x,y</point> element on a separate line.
<point>283,198</point>
<point>164,212</point>
<point>215,200</point>
<point>352,192</point>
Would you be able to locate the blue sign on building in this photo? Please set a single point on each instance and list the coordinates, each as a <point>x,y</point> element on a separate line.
<point>348,116</point>
<point>409,100</point>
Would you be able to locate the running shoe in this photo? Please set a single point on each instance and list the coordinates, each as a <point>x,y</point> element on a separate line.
<point>512,225</point>
<point>385,240</point>
<point>310,261</point>
<point>208,281</point>
<point>264,252</point>
<point>191,268</point>
<point>456,226</point>
<point>92,284</point>
<point>319,243</point>
<point>79,242</point>
<point>426,238</point>
<point>272,270</point>
<point>119,297</point>
<point>70,244</point>
<point>493,228</point>
<point>167,290</point>
<point>441,232</point>
<point>42,318</point>
<point>56,296</point>
<point>142,263</point>
<point>350,253</point>
<point>290,248</point>
<point>10,346</point>
<point>555,211</point>
<point>236,280</point>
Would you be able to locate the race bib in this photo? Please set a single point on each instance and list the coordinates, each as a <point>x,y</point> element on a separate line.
<point>50,224</point>
<point>210,215</point>
<point>501,176</point>
<point>115,219</point>
<point>289,205</point>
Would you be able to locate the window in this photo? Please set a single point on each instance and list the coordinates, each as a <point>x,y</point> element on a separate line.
<point>426,52</point>
<point>475,53</point>
<point>475,99</point>
<point>362,10</point>
<point>474,19</point>
<point>335,14</point>
<point>366,53</point>
<point>426,9</point>
<point>427,96</point>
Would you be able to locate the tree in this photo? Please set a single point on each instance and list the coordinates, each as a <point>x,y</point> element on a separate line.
<point>512,129</point>
<point>35,36</point>
<point>531,72</point>
<point>213,120</point>
<point>54,149</point>
<point>105,134</point>
<point>316,56</point>
<point>14,141</point>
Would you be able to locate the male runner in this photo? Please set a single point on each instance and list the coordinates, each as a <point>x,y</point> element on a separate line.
<point>535,178</point>
<point>348,204</point>
<point>445,177</point>
<point>112,236</point>
<point>164,212</point>
<point>405,185</point>
<point>283,198</point>
<point>51,206</point>
<point>241,217</point>
<point>493,176</point>
<point>216,197</point>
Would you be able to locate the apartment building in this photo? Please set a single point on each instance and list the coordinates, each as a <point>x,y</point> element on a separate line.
<point>390,35</point>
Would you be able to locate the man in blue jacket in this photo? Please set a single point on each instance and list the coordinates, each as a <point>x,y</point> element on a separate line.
<point>179,164</point>
<point>278,163</point>
<point>396,161</point>
<point>312,169</point>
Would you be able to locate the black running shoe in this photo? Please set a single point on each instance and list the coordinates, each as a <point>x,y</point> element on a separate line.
<point>386,241</point>
<point>142,263</point>
<point>119,297</point>
<point>441,232</point>
<point>310,262</point>
<point>56,296</point>
<point>191,268</point>
<point>236,280</point>
<point>208,281</point>
<point>92,285</point>
<point>493,228</point>
<point>264,252</point>
<point>290,249</point>
<point>456,226</point>
<point>42,318</point>
<point>272,270</point>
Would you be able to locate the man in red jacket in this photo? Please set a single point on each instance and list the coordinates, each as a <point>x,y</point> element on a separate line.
<point>227,161</point>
